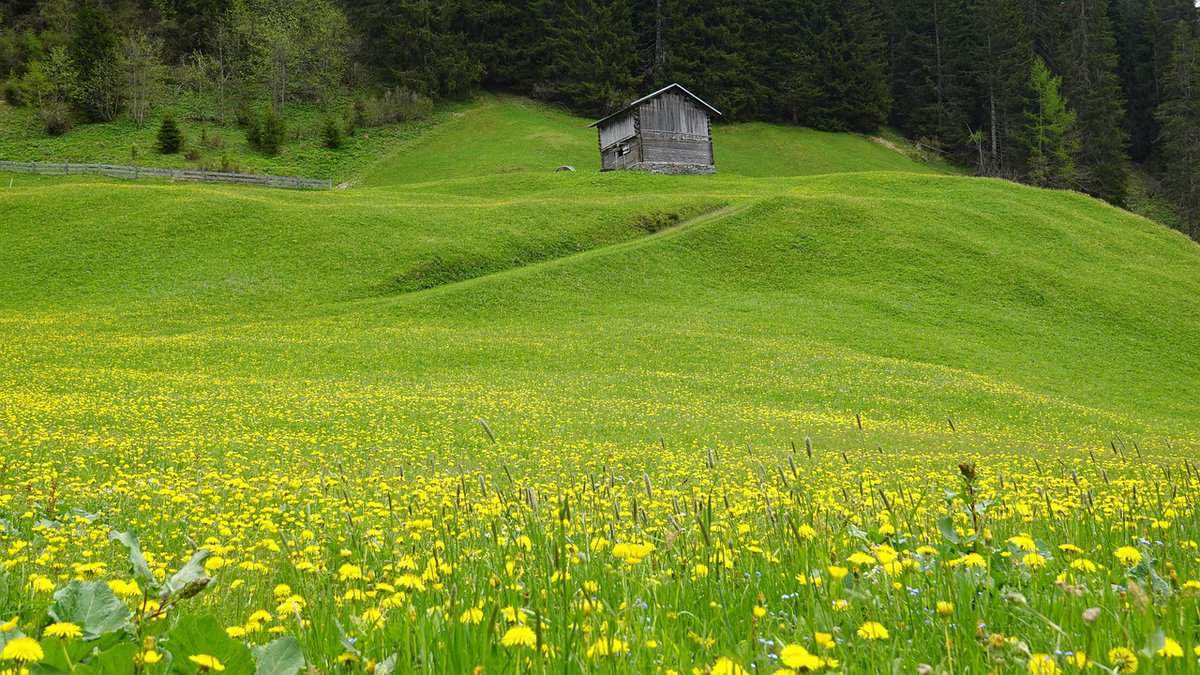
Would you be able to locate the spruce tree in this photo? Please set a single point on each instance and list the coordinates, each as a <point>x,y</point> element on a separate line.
<point>1006,51</point>
<point>170,138</point>
<point>94,50</point>
<point>1091,84</point>
<point>1048,134</point>
<point>592,57</point>
<point>331,134</point>
<point>1179,115</point>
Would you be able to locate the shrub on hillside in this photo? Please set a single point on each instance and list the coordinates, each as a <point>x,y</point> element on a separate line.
<point>226,165</point>
<point>170,138</point>
<point>266,132</point>
<point>395,105</point>
<point>331,134</point>
<point>56,118</point>
<point>14,94</point>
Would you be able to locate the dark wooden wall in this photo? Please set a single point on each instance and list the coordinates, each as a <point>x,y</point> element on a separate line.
<point>668,129</point>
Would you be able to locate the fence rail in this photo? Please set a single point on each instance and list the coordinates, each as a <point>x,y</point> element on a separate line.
<point>135,172</point>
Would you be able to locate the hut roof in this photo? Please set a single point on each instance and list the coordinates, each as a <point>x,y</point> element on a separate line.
<point>647,97</point>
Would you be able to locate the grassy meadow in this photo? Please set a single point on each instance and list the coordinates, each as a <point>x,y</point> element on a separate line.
<point>828,410</point>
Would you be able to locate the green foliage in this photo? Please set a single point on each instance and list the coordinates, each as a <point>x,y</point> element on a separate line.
<point>280,657</point>
<point>394,105</point>
<point>1048,134</point>
<point>94,51</point>
<point>55,117</point>
<point>266,132</point>
<point>591,55</point>
<point>331,134</point>
<point>1179,117</point>
<point>170,137</point>
<point>92,606</point>
<point>14,94</point>
<point>202,634</point>
<point>141,570</point>
<point>414,44</point>
<point>1092,86</point>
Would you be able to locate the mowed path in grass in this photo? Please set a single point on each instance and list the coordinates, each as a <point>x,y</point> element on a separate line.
<point>817,277</point>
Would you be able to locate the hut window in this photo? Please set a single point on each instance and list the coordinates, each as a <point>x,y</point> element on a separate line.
<point>622,150</point>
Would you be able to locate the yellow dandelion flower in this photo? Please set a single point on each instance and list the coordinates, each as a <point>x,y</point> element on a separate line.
<point>1170,649</point>
<point>23,649</point>
<point>1129,557</point>
<point>1043,664</point>
<point>206,662</point>
<point>799,658</point>
<point>1122,659</point>
<point>63,630</point>
<point>519,635</point>
<point>872,630</point>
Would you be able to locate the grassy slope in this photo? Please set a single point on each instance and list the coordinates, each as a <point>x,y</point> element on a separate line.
<point>122,142</point>
<point>1033,318</point>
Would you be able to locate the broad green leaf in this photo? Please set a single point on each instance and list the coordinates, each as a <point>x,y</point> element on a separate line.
<point>202,634</point>
<point>191,578</point>
<point>92,606</point>
<point>281,657</point>
<point>141,570</point>
<point>946,527</point>
<point>115,661</point>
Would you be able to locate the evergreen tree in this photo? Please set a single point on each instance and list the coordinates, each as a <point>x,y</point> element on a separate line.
<point>1091,84</point>
<point>716,49</point>
<point>1179,115</point>
<point>591,54</point>
<point>170,138</point>
<point>331,134</point>
<point>94,49</point>
<point>1006,51</point>
<point>267,131</point>
<point>412,43</point>
<point>829,70</point>
<point>1048,134</point>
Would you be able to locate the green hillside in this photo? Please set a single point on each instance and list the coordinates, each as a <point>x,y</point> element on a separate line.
<point>1009,291</point>
<point>340,349</point>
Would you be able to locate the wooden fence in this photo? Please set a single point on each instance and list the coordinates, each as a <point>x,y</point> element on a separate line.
<point>135,172</point>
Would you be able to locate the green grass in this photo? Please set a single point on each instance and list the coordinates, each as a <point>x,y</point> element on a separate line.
<point>122,142</point>
<point>245,364</point>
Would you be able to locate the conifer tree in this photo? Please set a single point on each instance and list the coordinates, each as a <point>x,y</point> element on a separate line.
<point>1048,134</point>
<point>592,56</point>
<point>1091,84</point>
<point>1179,115</point>
<point>170,138</point>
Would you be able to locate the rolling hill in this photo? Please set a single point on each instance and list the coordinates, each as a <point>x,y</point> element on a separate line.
<point>463,313</point>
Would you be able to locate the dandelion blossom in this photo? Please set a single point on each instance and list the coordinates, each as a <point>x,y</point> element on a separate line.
<point>63,630</point>
<point>799,658</point>
<point>1128,555</point>
<point>1043,664</point>
<point>1170,649</point>
<point>872,630</point>
<point>519,636</point>
<point>23,649</point>
<point>207,662</point>
<point>1123,660</point>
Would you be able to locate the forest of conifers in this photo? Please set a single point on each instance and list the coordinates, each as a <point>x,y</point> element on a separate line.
<point>1062,93</point>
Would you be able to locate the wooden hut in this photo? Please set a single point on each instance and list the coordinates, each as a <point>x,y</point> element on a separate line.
<point>668,131</point>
